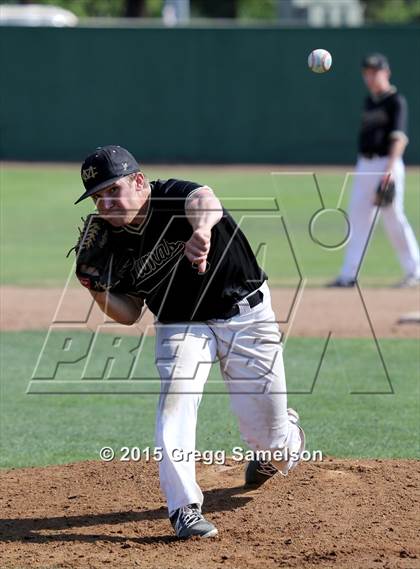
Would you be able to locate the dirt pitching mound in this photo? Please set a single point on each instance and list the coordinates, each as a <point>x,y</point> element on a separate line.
<point>336,513</point>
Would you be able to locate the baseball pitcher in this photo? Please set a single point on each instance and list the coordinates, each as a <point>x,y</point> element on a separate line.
<point>170,245</point>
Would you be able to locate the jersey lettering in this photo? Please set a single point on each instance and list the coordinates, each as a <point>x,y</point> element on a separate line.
<point>148,264</point>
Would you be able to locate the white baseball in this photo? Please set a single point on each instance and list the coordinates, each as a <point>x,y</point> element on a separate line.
<point>319,60</point>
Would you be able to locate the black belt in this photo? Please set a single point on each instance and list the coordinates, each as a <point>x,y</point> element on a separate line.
<point>253,300</point>
<point>371,155</point>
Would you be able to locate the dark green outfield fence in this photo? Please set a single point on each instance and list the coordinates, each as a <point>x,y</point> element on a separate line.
<point>194,95</point>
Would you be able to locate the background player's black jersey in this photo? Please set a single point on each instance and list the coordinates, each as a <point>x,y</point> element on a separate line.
<point>161,274</point>
<point>381,117</point>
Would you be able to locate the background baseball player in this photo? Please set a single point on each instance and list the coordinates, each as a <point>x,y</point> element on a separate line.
<point>171,245</point>
<point>379,178</point>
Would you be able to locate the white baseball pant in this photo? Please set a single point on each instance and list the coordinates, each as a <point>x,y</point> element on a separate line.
<point>362,214</point>
<point>249,349</point>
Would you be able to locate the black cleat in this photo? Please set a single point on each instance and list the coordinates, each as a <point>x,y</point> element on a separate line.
<point>257,472</point>
<point>341,283</point>
<point>188,521</point>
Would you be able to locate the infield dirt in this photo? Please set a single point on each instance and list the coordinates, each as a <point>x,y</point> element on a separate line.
<point>312,312</point>
<point>335,513</point>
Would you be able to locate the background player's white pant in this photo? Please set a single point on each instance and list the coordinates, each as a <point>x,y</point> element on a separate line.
<point>362,214</point>
<point>251,361</point>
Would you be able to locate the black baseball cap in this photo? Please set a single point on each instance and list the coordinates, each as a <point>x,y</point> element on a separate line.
<point>105,166</point>
<point>375,61</point>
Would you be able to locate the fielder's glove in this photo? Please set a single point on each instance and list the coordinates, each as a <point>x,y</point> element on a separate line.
<point>385,192</point>
<point>97,267</point>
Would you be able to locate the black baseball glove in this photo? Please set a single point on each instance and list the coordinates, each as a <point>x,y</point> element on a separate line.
<point>98,268</point>
<point>385,192</point>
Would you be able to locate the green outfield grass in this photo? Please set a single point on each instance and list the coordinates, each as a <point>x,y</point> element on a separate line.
<point>48,429</point>
<point>39,222</point>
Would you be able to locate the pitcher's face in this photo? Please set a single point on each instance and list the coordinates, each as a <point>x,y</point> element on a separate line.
<point>120,203</point>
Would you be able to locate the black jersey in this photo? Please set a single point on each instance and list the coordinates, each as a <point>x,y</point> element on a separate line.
<point>382,117</point>
<point>161,274</point>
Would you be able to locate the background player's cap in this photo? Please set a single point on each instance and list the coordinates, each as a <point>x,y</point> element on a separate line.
<point>105,166</point>
<point>375,61</point>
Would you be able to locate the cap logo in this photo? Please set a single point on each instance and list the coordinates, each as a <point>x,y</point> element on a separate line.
<point>89,173</point>
<point>124,165</point>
